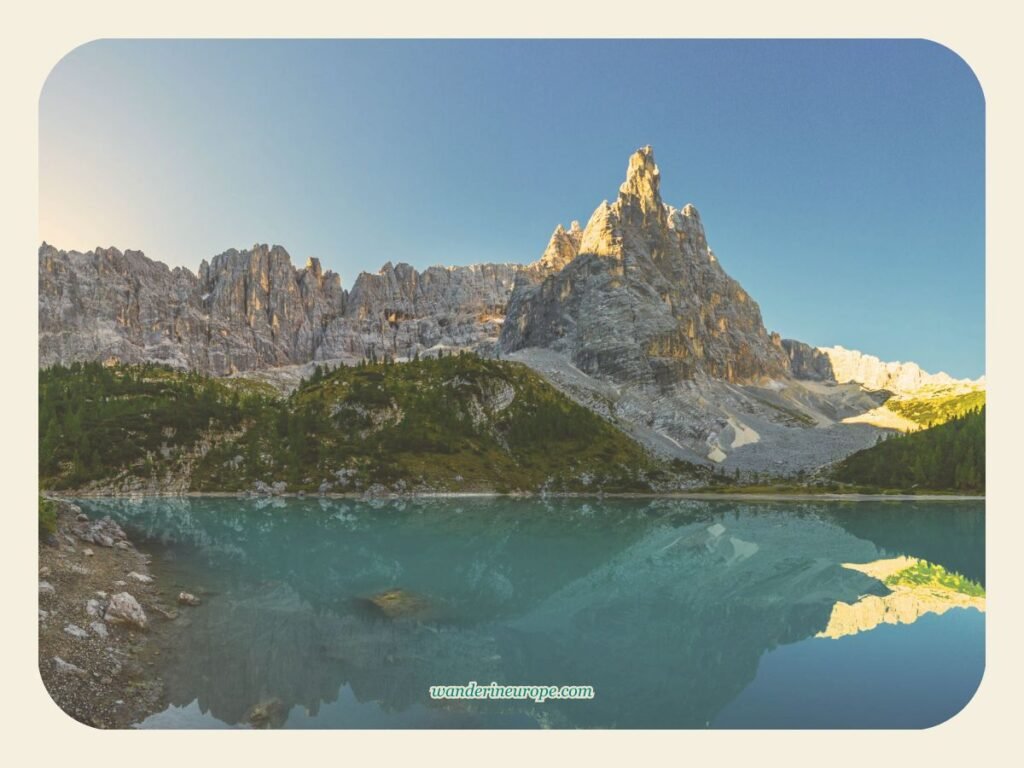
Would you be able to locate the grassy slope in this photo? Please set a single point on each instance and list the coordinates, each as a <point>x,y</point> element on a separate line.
<point>459,423</point>
<point>925,574</point>
<point>933,411</point>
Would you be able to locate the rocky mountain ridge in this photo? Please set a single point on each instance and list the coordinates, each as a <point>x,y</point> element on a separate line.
<point>631,315</point>
<point>250,310</point>
<point>636,295</point>
<point>896,377</point>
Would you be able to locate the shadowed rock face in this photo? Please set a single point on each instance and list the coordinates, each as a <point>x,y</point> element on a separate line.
<point>645,300</point>
<point>807,362</point>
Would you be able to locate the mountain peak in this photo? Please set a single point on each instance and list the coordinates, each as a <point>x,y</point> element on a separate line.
<point>562,247</point>
<point>641,299</point>
<point>641,187</point>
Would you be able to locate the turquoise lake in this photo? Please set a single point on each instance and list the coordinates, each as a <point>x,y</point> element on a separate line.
<point>679,613</point>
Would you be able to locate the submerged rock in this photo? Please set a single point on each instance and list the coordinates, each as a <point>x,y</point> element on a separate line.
<point>187,598</point>
<point>398,603</point>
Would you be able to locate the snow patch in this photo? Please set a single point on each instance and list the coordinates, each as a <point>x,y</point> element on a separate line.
<point>744,434</point>
<point>717,455</point>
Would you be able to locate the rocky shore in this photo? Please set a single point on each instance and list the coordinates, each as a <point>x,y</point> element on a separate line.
<point>101,613</point>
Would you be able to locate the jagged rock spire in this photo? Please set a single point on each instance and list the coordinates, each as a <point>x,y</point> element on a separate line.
<point>562,247</point>
<point>640,191</point>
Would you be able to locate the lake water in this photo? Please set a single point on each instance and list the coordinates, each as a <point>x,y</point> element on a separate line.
<point>679,613</point>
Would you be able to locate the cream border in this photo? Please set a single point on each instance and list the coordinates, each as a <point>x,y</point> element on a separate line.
<point>43,33</point>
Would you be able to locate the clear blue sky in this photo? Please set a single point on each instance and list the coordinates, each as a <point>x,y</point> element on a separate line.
<point>841,182</point>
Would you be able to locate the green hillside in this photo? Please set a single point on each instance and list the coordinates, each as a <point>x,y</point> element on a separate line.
<point>460,423</point>
<point>949,457</point>
<point>933,411</point>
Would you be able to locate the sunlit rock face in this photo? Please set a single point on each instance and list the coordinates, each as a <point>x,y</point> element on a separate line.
<point>563,247</point>
<point>905,603</point>
<point>899,378</point>
<point>645,299</point>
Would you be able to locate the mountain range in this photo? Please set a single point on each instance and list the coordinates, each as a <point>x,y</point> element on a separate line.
<point>631,315</point>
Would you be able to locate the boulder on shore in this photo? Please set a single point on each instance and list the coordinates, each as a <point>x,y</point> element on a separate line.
<point>125,609</point>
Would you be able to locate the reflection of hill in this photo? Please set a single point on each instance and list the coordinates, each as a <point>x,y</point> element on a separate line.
<point>950,532</point>
<point>244,649</point>
<point>676,624</point>
<point>664,607</point>
<point>477,556</point>
<point>905,604</point>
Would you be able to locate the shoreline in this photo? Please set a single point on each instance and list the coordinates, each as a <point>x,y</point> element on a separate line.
<point>103,615</point>
<point>682,495</point>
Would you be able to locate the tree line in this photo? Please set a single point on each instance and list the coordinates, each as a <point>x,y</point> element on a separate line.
<point>948,457</point>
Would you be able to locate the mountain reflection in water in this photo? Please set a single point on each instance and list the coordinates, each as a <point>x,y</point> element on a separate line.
<point>336,613</point>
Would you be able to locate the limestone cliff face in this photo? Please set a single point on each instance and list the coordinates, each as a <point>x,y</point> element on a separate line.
<point>401,311</point>
<point>898,378</point>
<point>644,299</point>
<point>103,304</point>
<point>807,362</point>
<point>247,310</point>
<point>260,311</point>
<point>244,309</point>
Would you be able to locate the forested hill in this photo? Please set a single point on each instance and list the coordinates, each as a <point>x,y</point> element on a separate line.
<point>460,423</point>
<point>949,457</point>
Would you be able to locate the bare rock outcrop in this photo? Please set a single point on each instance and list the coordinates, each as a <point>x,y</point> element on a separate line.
<point>123,608</point>
<point>400,311</point>
<point>644,300</point>
<point>243,310</point>
<point>252,310</point>
<point>897,377</point>
<point>807,362</point>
